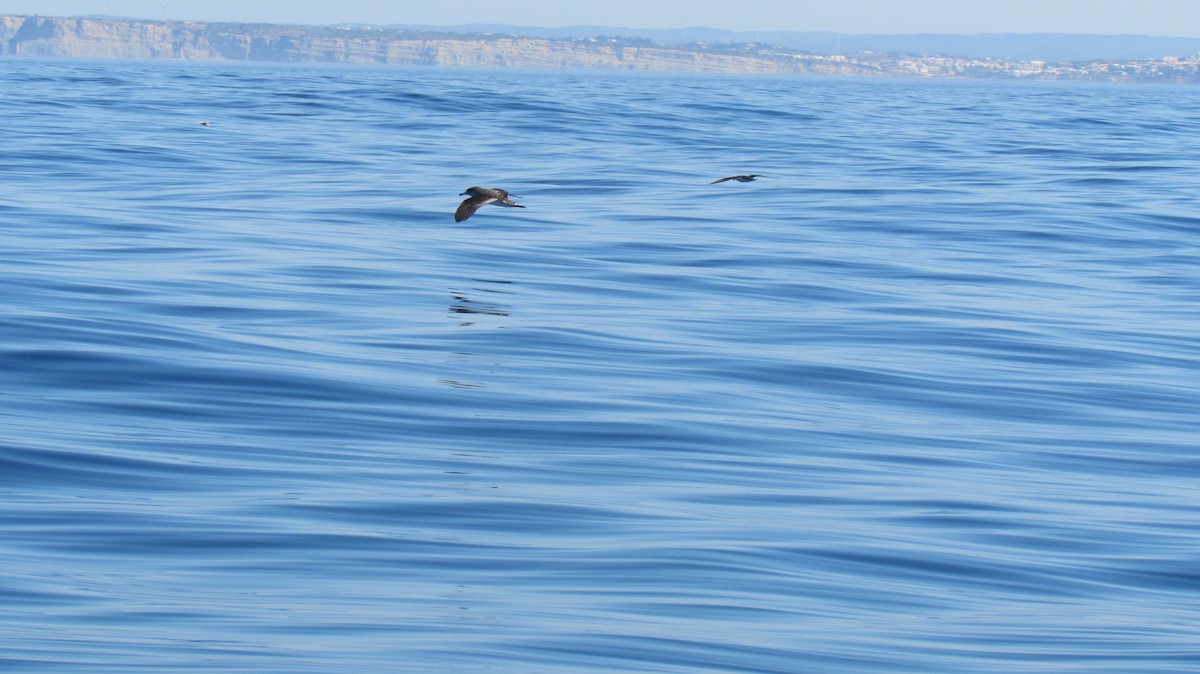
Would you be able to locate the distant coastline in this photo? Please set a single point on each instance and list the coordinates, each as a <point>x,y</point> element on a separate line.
<point>143,39</point>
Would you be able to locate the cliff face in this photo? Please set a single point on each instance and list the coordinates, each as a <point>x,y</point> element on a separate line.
<point>86,38</point>
<point>100,38</point>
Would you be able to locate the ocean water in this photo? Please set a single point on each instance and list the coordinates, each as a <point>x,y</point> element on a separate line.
<point>924,399</point>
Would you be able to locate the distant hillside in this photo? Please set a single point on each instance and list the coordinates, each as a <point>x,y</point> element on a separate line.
<point>1063,47</point>
<point>501,47</point>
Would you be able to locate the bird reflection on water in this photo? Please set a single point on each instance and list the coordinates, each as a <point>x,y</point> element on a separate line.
<point>465,302</point>
<point>467,307</point>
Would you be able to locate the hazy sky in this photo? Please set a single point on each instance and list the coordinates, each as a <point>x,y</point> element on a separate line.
<point>1144,17</point>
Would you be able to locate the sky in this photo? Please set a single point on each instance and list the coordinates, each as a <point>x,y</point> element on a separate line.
<point>1179,18</point>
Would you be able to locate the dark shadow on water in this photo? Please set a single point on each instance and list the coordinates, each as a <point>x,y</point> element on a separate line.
<point>454,383</point>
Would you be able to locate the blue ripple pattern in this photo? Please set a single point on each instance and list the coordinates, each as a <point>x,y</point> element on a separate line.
<point>923,399</point>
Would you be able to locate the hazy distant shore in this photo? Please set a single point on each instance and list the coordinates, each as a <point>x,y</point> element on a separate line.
<point>138,39</point>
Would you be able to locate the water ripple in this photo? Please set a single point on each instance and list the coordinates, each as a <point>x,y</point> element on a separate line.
<point>920,400</point>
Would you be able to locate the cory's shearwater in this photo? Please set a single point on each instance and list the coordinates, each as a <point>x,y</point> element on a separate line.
<point>740,179</point>
<point>482,196</point>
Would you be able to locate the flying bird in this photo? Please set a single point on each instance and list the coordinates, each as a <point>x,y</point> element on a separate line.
<point>204,123</point>
<point>740,179</point>
<point>482,196</point>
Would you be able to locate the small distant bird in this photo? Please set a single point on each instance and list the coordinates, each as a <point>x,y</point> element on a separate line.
<point>204,123</point>
<point>482,196</point>
<point>740,179</point>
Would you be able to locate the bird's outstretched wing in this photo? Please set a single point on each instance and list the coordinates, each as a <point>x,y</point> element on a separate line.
<point>721,180</point>
<point>471,204</point>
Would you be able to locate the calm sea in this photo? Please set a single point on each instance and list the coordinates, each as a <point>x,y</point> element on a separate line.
<point>924,399</point>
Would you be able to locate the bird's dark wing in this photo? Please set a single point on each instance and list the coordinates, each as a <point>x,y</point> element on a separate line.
<point>722,180</point>
<point>468,207</point>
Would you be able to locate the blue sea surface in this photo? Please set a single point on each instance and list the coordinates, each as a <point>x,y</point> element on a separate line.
<point>924,399</point>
